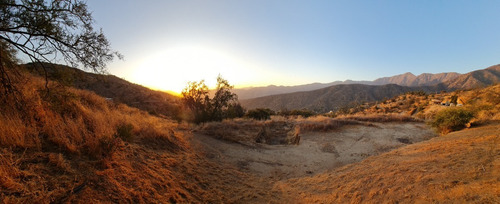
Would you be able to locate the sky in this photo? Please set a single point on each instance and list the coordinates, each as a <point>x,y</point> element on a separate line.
<point>167,43</point>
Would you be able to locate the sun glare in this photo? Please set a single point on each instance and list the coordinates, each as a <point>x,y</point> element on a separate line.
<point>171,69</point>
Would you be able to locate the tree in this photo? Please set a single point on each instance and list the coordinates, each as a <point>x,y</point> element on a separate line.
<point>195,97</point>
<point>223,105</point>
<point>222,98</point>
<point>53,30</point>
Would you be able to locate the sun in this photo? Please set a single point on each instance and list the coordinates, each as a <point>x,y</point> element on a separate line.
<point>171,69</point>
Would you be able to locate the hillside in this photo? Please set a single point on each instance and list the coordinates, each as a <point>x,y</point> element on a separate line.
<point>113,88</point>
<point>75,146</point>
<point>475,79</point>
<point>461,167</point>
<point>331,98</point>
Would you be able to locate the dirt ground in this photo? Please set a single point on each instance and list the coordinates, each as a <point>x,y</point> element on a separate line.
<point>317,151</point>
<point>349,166</point>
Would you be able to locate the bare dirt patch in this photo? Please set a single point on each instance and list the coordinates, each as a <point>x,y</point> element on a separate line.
<point>316,152</point>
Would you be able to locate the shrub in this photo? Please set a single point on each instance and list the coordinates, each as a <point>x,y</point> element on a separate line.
<point>451,119</point>
<point>260,114</point>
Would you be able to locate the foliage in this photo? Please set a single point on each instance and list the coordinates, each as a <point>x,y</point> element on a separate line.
<point>235,110</point>
<point>451,119</point>
<point>260,113</point>
<point>47,31</point>
<point>222,99</point>
<point>195,98</point>
<point>223,105</point>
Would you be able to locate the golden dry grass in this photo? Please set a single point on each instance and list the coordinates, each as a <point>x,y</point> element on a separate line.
<point>68,147</point>
<point>462,167</point>
<point>54,147</point>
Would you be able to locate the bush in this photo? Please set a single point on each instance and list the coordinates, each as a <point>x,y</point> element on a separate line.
<point>304,113</point>
<point>260,114</point>
<point>451,119</point>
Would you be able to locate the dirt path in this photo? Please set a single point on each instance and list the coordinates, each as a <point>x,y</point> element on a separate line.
<point>317,151</point>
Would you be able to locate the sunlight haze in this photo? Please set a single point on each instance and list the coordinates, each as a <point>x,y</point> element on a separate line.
<point>260,43</point>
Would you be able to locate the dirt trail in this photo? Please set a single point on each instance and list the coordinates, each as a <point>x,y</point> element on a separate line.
<point>317,151</point>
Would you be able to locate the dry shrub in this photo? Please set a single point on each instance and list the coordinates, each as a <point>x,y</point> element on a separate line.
<point>323,124</point>
<point>451,119</point>
<point>249,132</point>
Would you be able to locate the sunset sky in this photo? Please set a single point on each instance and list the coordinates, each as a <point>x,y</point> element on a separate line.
<point>264,42</point>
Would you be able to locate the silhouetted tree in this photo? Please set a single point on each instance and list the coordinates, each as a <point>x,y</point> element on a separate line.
<point>195,98</point>
<point>222,98</point>
<point>223,105</point>
<point>50,30</point>
<point>260,113</point>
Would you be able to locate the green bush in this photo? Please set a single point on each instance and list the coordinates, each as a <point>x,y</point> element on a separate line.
<point>451,119</point>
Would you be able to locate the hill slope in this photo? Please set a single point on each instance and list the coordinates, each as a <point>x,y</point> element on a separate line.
<point>114,88</point>
<point>476,79</point>
<point>331,98</point>
<point>461,167</point>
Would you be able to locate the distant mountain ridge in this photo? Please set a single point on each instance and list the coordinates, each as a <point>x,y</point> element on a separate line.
<point>409,79</point>
<point>475,79</point>
<point>330,98</point>
<point>406,79</point>
<point>255,92</point>
<point>337,96</point>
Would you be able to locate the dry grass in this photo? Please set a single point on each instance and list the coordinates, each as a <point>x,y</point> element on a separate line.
<point>250,132</point>
<point>53,143</point>
<point>74,146</point>
<point>380,118</point>
<point>278,130</point>
<point>459,168</point>
<point>323,124</point>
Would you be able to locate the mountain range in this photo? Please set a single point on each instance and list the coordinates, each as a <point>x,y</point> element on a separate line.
<point>406,79</point>
<point>338,96</point>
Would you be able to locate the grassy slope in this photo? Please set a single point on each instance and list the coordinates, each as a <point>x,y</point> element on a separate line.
<point>460,167</point>
<point>68,146</point>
